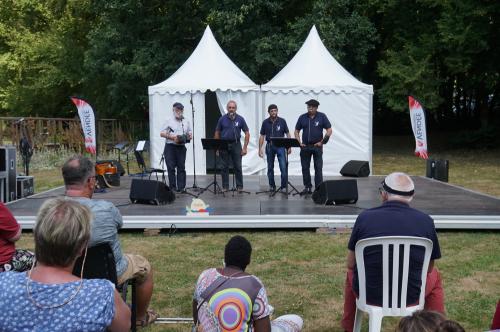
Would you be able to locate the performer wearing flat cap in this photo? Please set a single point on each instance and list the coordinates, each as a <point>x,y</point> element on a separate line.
<point>312,125</point>
<point>177,133</point>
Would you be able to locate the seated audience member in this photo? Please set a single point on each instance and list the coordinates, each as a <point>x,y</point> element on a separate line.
<point>49,297</point>
<point>12,259</point>
<point>449,326</point>
<point>229,298</point>
<point>79,179</point>
<point>495,324</point>
<point>421,321</point>
<point>428,321</point>
<point>394,217</point>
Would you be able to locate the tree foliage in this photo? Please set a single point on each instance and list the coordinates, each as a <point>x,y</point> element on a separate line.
<point>441,52</point>
<point>444,53</point>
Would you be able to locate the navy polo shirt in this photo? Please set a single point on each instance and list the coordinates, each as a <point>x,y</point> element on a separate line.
<point>312,128</point>
<point>229,129</point>
<point>278,128</point>
<point>392,218</point>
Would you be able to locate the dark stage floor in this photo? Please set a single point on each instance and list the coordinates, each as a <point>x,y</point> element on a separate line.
<point>451,206</point>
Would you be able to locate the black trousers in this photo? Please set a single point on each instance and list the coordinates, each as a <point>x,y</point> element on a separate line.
<point>233,153</point>
<point>175,158</point>
<point>305,160</point>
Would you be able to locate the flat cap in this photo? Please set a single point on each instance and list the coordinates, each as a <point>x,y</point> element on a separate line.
<point>178,106</point>
<point>272,107</point>
<point>312,102</point>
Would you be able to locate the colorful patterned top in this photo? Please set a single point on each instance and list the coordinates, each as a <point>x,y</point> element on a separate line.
<point>233,305</point>
<point>92,309</point>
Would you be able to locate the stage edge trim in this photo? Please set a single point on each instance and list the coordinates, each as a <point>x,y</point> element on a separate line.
<point>279,221</point>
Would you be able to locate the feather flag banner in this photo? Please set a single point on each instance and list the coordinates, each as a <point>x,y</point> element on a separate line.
<point>417,116</point>
<point>87,119</point>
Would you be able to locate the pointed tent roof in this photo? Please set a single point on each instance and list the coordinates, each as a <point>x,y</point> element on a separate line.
<point>208,67</point>
<point>313,68</point>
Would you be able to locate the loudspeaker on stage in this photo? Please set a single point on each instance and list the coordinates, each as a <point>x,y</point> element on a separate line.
<point>150,192</point>
<point>336,192</point>
<point>356,168</point>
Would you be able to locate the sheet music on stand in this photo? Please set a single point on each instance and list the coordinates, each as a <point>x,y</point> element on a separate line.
<point>285,142</point>
<point>141,146</point>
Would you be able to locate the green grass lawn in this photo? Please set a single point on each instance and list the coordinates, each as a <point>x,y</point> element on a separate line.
<point>304,271</point>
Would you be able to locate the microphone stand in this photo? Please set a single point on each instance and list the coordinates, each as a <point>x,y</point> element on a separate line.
<point>194,187</point>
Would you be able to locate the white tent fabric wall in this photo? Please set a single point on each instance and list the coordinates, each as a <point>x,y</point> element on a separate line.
<point>161,111</point>
<point>351,139</point>
<point>314,73</point>
<point>208,68</point>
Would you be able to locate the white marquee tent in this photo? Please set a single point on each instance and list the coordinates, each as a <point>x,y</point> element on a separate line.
<point>314,73</point>
<point>208,68</point>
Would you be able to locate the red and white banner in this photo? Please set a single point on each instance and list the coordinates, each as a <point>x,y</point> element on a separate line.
<point>87,119</point>
<point>417,116</point>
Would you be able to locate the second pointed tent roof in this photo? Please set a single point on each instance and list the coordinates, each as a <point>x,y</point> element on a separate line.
<point>313,68</point>
<point>208,68</point>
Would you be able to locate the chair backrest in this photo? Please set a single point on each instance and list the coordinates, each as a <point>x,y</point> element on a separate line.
<point>99,264</point>
<point>395,242</point>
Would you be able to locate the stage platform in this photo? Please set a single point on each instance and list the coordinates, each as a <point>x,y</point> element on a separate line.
<point>451,207</point>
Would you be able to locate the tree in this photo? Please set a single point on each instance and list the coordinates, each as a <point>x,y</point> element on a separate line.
<point>442,52</point>
<point>42,46</point>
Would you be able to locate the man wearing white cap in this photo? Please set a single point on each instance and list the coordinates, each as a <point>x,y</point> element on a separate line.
<point>394,217</point>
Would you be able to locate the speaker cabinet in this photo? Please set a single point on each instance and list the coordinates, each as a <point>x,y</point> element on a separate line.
<point>8,173</point>
<point>356,168</point>
<point>334,192</point>
<point>150,192</point>
<point>437,169</point>
<point>25,186</point>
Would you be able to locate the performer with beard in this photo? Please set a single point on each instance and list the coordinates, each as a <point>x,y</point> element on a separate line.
<point>177,133</point>
<point>274,126</point>
<point>229,127</point>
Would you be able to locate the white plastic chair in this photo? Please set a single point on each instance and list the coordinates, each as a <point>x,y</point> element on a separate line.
<point>376,313</point>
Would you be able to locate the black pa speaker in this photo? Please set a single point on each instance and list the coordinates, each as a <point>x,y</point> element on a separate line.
<point>336,192</point>
<point>150,192</point>
<point>437,169</point>
<point>356,168</point>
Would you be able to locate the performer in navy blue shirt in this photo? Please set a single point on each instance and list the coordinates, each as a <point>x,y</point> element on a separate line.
<point>229,127</point>
<point>274,126</point>
<point>394,217</point>
<point>312,124</point>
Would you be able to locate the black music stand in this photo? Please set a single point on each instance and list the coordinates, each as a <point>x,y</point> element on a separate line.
<point>120,147</point>
<point>214,144</point>
<point>286,142</point>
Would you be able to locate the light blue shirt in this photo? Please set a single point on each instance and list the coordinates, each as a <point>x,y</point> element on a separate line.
<point>105,225</point>
<point>177,127</point>
<point>92,309</point>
